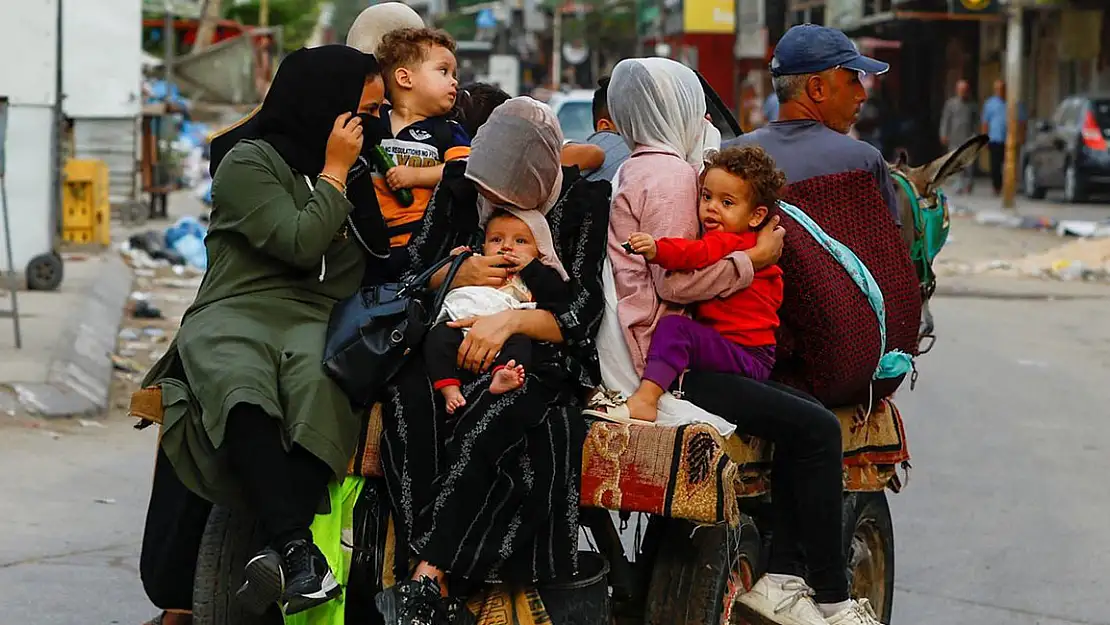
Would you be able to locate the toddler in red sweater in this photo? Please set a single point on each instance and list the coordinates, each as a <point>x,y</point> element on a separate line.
<point>734,334</point>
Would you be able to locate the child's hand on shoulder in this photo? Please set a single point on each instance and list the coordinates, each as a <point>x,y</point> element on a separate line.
<point>402,177</point>
<point>643,244</point>
<point>459,250</point>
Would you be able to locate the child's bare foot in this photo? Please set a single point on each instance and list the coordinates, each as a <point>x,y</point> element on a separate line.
<point>643,407</point>
<point>509,378</point>
<point>454,398</point>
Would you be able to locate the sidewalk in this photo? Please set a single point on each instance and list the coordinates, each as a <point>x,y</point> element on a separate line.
<point>1034,214</point>
<point>65,367</point>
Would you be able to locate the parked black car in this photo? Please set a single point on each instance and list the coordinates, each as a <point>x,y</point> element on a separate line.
<point>1071,151</point>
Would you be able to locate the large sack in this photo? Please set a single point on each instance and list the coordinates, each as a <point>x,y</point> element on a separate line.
<point>829,343</point>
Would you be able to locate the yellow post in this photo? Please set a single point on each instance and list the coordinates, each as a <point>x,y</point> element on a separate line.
<point>263,13</point>
<point>1014,54</point>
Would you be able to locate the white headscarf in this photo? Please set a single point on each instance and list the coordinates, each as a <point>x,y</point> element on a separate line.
<point>516,156</point>
<point>660,103</point>
<point>375,22</point>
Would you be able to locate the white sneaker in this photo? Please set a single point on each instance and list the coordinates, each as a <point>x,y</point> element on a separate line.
<point>859,613</point>
<point>784,600</point>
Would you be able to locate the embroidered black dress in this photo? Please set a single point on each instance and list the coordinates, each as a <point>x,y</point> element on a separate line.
<point>493,493</point>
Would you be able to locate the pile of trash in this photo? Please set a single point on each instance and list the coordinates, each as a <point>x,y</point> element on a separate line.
<point>1086,259</point>
<point>180,244</point>
<point>190,137</point>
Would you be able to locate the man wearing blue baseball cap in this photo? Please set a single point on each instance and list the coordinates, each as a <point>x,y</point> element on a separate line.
<point>816,74</point>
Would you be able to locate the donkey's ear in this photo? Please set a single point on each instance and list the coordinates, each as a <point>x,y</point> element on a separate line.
<point>954,162</point>
<point>902,158</point>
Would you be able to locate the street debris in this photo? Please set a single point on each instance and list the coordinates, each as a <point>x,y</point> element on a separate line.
<point>1086,259</point>
<point>107,501</point>
<point>126,365</point>
<point>1079,228</point>
<point>143,309</point>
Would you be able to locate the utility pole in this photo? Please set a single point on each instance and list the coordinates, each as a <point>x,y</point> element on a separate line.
<point>56,133</point>
<point>1014,54</point>
<point>661,47</point>
<point>557,46</point>
<point>209,15</point>
<point>169,32</point>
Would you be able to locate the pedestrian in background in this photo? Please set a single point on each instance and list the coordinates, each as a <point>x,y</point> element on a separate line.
<point>994,126</point>
<point>957,125</point>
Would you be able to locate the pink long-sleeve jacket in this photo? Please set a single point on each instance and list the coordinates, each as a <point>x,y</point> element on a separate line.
<point>659,195</point>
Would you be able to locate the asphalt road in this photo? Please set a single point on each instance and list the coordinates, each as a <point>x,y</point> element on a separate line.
<point>1004,521</point>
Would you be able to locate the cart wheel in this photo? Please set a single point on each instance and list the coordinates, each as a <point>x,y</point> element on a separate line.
<point>230,539</point>
<point>699,573</point>
<point>869,543</point>
<point>44,272</point>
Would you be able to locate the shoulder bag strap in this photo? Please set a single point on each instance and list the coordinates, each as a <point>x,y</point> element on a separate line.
<point>446,286</point>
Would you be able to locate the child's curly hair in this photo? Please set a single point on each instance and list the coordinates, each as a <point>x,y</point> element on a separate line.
<point>406,47</point>
<point>753,164</point>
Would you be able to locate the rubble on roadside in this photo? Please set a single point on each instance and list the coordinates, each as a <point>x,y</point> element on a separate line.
<point>1086,259</point>
<point>163,289</point>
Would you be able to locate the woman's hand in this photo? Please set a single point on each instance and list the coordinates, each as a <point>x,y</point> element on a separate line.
<point>482,271</point>
<point>483,342</point>
<point>517,260</point>
<point>344,146</point>
<point>768,247</point>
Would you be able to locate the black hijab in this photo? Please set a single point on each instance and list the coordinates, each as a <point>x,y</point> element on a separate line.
<point>312,87</point>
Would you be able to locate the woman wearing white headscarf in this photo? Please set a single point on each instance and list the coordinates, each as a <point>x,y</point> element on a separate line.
<point>375,22</point>
<point>658,105</point>
<point>493,492</point>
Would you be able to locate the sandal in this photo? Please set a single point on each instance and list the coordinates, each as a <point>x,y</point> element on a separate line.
<point>610,406</point>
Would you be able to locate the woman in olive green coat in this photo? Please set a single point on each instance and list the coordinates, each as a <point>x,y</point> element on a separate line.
<point>250,415</point>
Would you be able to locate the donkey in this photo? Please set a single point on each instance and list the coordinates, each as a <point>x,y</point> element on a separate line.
<point>921,191</point>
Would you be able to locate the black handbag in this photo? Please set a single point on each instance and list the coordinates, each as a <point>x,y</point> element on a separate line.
<point>371,333</point>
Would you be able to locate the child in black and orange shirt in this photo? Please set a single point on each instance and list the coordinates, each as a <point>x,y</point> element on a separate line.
<point>419,66</point>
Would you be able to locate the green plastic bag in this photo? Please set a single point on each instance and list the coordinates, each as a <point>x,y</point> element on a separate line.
<point>334,534</point>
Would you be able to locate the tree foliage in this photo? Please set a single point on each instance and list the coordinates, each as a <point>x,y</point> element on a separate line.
<point>608,26</point>
<point>296,17</point>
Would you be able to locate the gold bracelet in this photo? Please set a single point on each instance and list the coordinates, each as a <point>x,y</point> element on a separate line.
<point>339,183</point>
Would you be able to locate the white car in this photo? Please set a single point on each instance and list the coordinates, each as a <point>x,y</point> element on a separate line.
<point>575,112</point>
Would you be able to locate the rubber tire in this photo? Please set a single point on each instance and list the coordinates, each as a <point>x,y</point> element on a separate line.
<point>1078,193</point>
<point>692,578</point>
<point>45,272</point>
<point>1032,192</point>
<point>230,538</point>
<point>871,511</point>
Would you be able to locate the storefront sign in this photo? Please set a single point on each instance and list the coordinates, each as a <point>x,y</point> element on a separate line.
<point>709,16</point>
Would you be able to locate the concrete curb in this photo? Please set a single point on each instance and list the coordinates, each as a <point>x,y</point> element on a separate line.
<point>80,378</point>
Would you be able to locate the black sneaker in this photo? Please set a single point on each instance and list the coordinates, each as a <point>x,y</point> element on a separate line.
<point>308,578</point>
<point>413,602</point>
<point>264,582</point>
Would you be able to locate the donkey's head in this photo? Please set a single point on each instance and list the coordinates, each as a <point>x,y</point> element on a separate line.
<point>925,182</point>
<point>927,179</point>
